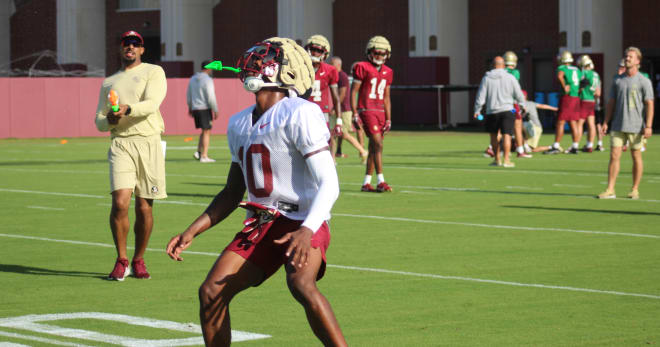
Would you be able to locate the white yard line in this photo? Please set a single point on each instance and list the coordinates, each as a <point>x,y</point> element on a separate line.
<point>571,185</point>
<point>40,339</point>
<point>386,271</point>
<point>523,188</point>
<point>400,219</point>
<point>45,208</point>
<point>495,170</point>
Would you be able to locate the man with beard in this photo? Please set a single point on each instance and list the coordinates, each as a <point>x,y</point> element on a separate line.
<point>137,163</point>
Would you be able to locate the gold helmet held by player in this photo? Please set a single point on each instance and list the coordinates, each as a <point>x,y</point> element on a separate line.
<point>584,61</point>
<point>510,59</point>
<point>566,57</point>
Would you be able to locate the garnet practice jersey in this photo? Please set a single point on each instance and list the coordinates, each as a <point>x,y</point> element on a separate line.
<point>326,76</point>
<point>373,85</point>
<point>272,154</point>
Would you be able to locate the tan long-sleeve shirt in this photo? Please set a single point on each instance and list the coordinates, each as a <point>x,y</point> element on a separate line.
<point>143,88</point>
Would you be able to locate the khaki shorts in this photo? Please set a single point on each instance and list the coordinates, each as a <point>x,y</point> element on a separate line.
<point>346,121</point>
<point>137,163</point>
<point>618,139</point>
<point>533,141</point>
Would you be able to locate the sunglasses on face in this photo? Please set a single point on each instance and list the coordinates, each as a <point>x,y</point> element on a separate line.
<point>131,41</point>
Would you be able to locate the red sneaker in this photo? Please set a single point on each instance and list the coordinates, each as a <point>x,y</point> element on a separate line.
<point>488,153</point>
<point>368,188</point>
<point>121,270</point>
<point>139,269</point>
<point>383,187</point>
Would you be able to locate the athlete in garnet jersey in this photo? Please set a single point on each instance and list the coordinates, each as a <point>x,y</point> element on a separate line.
<point>370,103</point>
<point>325,78</point>
<point>324,90</point>
<point>372,89</point>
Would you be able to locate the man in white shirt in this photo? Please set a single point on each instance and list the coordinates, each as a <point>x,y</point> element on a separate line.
<point>203,108</point>
<point>280,153</point>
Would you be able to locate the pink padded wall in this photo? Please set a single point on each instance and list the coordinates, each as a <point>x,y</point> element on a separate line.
<point>65,107</point>
<point>5,120</point>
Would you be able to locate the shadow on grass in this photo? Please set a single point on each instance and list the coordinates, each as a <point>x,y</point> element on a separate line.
<point>633,213</point>
<point>52,162</point>
<point>193,195</point>
<point>29,270</point>
<point>217,185</point>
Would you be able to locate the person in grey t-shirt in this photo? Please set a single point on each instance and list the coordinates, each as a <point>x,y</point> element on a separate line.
<point>630,108</point>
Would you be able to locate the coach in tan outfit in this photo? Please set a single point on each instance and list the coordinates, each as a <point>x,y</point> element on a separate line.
<point>136,157</point>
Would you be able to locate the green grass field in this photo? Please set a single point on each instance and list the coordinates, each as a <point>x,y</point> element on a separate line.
<point>460,254</point>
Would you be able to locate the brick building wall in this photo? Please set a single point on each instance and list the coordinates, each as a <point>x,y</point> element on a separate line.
<point>33,29</point>
<point>356,21</point>
<point>493,30</point>
<point>641,27</point>
<point>147,23</point>
<point>237,25</point>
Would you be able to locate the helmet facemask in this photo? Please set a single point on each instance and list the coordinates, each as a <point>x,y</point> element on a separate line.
<point>312,48</point>
<point>260,66</point>
<point>375,52</point>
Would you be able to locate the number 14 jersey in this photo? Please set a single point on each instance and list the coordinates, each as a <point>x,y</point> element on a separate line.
<point>374,82</point>
<point>272,153</point>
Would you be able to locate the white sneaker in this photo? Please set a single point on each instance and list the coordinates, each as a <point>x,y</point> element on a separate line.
<point>196,155</point>
<point>206,160</point>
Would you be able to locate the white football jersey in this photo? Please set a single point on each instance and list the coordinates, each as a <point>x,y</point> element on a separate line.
<point>272,154</point>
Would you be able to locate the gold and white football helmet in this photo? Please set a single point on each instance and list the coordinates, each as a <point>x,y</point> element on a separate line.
<point>277,62</point>
<point>510,59</point>
<point>318,42</point>
<point>378,43</point>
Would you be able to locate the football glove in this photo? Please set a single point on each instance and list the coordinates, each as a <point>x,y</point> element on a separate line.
<point>388,126</point>
<point>337,131</point>
<point>357,122</point>
<point>261,220</point>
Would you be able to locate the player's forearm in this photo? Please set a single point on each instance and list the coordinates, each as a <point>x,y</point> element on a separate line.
<point>609,110</point>
<point>650,110</point>
<point>388,109</point>
<point>322,167</point>
<point>102,122</point>
<point>223,204</point>
<point>335,100</point>
<point>354,98</point>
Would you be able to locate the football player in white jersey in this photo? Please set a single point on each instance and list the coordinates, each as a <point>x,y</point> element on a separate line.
<point>279,149</point>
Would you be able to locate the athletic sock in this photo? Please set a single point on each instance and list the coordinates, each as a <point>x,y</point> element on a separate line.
<point>555,145</point>
<point>381,178</point>
<point>527,148</point>
<point>575,145</point>
<point>590,144</point>
<point>490,146</point>
<point>520,149</point>
<point>367,179</point>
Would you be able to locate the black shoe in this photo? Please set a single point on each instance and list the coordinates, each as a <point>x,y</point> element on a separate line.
<point>573,150</point>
